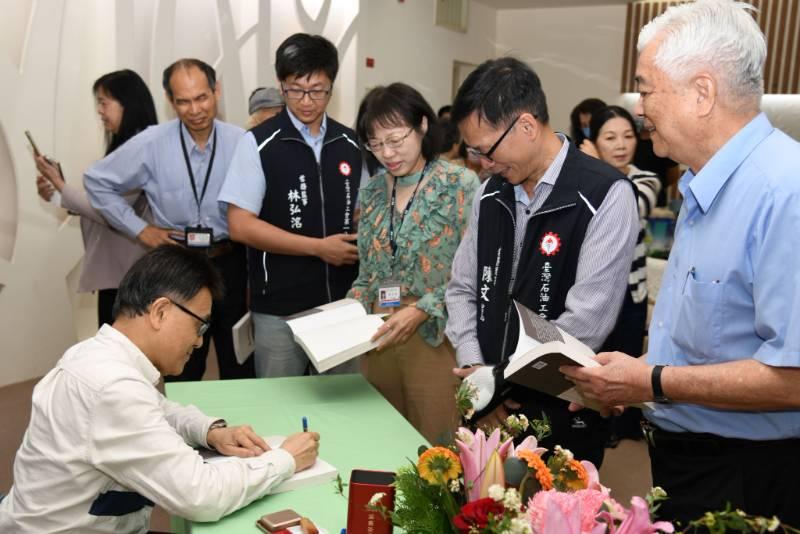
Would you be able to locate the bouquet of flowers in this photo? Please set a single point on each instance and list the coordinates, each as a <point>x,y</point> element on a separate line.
<point>485,484</point>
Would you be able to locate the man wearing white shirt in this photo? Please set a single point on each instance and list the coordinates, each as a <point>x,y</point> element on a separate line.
<point>103,444</point>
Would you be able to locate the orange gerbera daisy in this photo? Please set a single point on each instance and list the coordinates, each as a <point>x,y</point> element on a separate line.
<point>438,465</point>
<point>540,469</point>
<point>582,480</point>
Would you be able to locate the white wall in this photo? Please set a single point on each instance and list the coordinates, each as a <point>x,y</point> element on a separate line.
<point>577,52</point>
<point>407,47</point>
<point>51,52</point>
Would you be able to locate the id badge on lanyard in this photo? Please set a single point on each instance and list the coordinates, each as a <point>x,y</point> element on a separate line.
<point>389,294</point>
<point>198,236</point>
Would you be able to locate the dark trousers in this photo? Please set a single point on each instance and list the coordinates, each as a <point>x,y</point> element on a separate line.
<point>628,337</point>
<point>105,303</point>
<point>703,472</point>
<point>224,314</point>
<point>583,432</point>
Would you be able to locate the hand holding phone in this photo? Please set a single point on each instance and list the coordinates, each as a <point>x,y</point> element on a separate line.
<point>33,144</point>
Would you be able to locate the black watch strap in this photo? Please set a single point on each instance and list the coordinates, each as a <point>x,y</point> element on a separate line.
<point>658,392</point>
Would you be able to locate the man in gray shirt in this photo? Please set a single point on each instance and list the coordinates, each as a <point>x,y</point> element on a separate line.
<point>552,229</point>
<point>180,165</point>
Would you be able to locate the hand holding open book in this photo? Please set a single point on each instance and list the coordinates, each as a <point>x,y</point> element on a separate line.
<point>334,333</point>
<point>542,348</point>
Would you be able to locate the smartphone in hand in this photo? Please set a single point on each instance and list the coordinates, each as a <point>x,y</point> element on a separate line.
<point>33,144</point>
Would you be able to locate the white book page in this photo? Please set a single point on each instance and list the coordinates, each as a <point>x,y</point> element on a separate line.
<point>329,314</point>
<point>318,473</point>
<point>328,342</point>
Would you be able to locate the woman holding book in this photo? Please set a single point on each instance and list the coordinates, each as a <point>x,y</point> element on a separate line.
<point>125,107</point>
<point>414,212</point>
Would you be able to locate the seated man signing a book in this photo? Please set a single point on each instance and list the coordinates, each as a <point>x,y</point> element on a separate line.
<point>103,445</point>
<point>553,229</point>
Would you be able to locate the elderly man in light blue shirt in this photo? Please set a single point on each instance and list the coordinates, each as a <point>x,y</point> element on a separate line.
<point>181,165</point>
<point>723,360</point>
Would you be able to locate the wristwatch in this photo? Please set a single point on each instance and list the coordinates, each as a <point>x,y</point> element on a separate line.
<point>655,379</point>
<point>219,423</point>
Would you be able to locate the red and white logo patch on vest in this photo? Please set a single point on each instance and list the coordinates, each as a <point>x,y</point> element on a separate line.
<point>345,168</point>
<point>550,244</point>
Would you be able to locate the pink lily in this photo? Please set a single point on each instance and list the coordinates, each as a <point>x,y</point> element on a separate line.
<point>637,521</point>
<point>529,444</point>
<point>474,452</point>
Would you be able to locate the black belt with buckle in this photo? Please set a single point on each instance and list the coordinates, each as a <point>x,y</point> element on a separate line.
<point>703,443</point>
<point>218,248</point>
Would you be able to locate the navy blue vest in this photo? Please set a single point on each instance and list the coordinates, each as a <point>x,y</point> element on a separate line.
<point>307,198</point>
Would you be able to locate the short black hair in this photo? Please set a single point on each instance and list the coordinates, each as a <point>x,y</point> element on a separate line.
<point>499,90</point>
<point>205,68</point>
<point>451,135</point>
<point>302,55</point>
<point>138,108</point>
<point>168,271</point>
<point>590,105</point>
<point>603,115</point>
<point>443,110</point>
<point>396,105</point>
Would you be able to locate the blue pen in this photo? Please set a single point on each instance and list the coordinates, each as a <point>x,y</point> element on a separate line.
<point>305,424</point>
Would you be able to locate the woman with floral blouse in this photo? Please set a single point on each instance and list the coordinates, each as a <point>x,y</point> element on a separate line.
<point>414,212</point>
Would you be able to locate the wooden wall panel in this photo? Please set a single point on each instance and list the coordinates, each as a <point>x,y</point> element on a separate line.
<point>778,19</point>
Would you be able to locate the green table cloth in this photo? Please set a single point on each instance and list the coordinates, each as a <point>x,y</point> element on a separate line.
<point>358,429</point>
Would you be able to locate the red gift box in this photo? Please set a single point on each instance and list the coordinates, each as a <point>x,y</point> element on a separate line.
<point>364,485</point>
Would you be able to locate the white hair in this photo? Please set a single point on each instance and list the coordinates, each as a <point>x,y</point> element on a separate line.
<point>720,35</point>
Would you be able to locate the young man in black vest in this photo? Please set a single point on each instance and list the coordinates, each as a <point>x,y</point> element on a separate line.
<point>552,228</point>
<point>291,192</point>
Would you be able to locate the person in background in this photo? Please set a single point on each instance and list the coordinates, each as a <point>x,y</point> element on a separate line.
<point>444,113</point>
<point>103,444</point>
<point>580,117</point>
<point>414,213</point>
<point>291,195</point>
<point>451,144</point>
<point>723,360</point>
<point>180,165</point>
<point>612,138</point>
<point>264,103</point>
<point>125,107</point>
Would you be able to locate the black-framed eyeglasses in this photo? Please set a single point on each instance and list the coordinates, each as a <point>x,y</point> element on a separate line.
<point>205,324</point>
<point>392,142</point>
<point>474,152</point>
<point>299,94</point>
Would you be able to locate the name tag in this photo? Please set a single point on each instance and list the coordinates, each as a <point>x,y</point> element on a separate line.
<point>389,295</point>
<point>199,236</point>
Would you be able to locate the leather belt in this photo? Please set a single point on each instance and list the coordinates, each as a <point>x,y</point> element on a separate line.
<point>708,444</point>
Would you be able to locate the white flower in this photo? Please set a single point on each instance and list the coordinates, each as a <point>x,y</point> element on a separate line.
<point>512,501</point>
<point>520,525</point>
<point>465,436</point>
<point>512,420</point>
<point>497,492</point>
<point>524,422</point>
<point>455,485</point>
<point>566,452</point>
<point>376,499</point>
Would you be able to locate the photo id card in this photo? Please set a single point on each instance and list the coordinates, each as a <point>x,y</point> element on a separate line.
<point>199,236</point>
<point>389,295</point>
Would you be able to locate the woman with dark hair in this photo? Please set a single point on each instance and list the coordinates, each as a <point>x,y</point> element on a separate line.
<point>413,215</point>
<point>612,138</point>
<point>125,107</point>
<point>580,117</point>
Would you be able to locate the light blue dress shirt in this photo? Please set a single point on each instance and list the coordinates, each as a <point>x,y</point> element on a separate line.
<point>731,290</point>
<point>153,161</point>
<point>246,185</point>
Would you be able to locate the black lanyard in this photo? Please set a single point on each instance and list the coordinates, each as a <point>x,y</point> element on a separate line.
<point>392,236</point>
<point>189,166</point>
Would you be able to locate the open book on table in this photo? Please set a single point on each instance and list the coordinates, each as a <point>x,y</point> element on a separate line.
<point>319,473</point>
<point>334,333</point>
<point>541,349</point>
